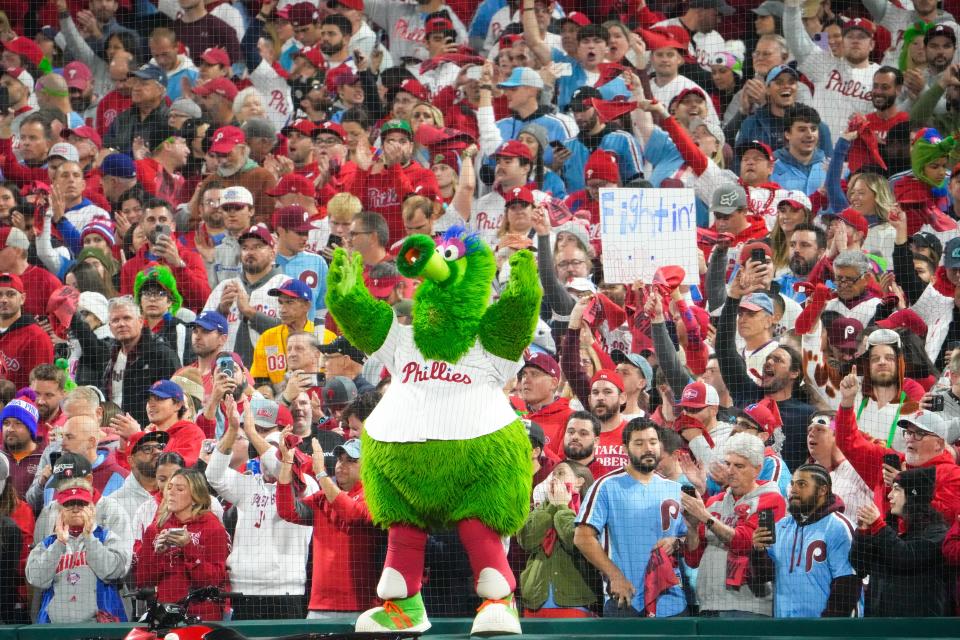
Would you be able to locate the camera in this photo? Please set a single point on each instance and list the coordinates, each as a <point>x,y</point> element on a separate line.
<point>936,402</point>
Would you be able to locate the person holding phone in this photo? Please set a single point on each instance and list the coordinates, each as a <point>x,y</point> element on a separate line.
<point>720,534</point>
<point>186,547</point>
<point>815,536</point>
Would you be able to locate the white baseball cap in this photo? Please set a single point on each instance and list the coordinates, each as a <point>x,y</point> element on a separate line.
<point>928,421</point>
<point>581,285</point>
<point>236,195</point>
<point>64,150</point>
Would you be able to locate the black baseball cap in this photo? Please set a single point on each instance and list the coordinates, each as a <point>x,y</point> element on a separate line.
<point>342,346</point>
<point>580,96</point>
<point>927,240</point>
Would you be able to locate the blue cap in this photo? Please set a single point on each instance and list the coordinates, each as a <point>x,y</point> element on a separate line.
<point>757,302</point>
<point>211,321</point>
<point>151,72</point>
<point>636,360</point>
<point>350,447</point>
<point>523,77</point>
<point>118,165</point>
<point>774,73</point>
<point>164,389</point>
<point>294,289</point>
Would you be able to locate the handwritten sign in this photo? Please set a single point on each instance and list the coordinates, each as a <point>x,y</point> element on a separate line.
<point>644,229</point>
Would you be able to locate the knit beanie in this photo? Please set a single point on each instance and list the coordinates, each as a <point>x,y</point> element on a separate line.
<point>929,146</point>
<point>159,274</point>
<point>918,484</point>
<point>103,228</point>
<point>109,264</point>
<point>22,408</point>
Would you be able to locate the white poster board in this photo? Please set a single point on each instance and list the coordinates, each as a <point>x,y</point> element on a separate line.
<point>642,230</point>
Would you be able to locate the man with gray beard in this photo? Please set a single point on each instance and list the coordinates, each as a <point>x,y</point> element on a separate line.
<point>231,164</point>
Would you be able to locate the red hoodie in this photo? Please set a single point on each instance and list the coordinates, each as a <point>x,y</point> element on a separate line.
<point>552,418</point>
<point>185,438</point>
<point>344,543</point>
<point>866,456</point>
<point>202,562</point>
<point>383,192</point>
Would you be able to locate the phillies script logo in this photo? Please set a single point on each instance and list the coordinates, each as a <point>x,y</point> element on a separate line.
<point>488,221</point>
<point>850,88</point>
<point>435,371</point>
<point>404,31</point>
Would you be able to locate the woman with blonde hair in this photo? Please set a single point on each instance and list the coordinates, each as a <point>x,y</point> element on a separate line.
<point>186,547</point>
<point>867,192</point>
<point>424,113</point>
<point>330,231</point>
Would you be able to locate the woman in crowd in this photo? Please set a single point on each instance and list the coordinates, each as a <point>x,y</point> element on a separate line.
<point>186,547</point>
<point>904,559</point>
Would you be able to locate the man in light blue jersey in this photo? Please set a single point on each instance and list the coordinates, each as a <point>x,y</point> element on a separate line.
<point>809,560</point>
<point>293,224</point>
<point>628,515</point>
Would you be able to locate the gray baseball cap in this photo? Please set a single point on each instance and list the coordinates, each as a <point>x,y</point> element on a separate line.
<point>769,8</point>
<point>350,447</point>
<point>951,254</point>
<point>728,198</point>
<point>636,360</point>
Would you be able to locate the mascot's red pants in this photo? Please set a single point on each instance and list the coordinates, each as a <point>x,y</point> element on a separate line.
<point>406,544</point>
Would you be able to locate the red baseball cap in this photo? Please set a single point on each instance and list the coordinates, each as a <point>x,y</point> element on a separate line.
<point>85,132</point>
<point>293,218</point>
<point>356,5</point>
<point>74,494</point>
<point>518,194</point>
<point>11,280</point>
<point>215,55</point>
<point>151,436</point>
<point>219,86</point>
<point>339,76</point>
<point>313,54</point>
<point>331,127</point>
<point>302,14</point>
<point>381,287</point>
<point>414,88</point>
<point>77,75</point>
<point>507,41</point>
<point>763,417</point>
<point>860,23</point>
<point>425,190</point>
<point>226,138</point>
<point>850,216</point>
<point>698,395</point>
<point>24,47</point>
<point>577,18</point>
<point>762,147</point>
<point>608,375</point>
<point>906,319</point>
<point>293,183</point>
<point>602,165</point>
<point>544,362</point>
<point>689,91</point>
<point>845,333</point>
<point>438,24</point>
<point>514,149</point>
<point>301,126</point>
<point>258,231</point>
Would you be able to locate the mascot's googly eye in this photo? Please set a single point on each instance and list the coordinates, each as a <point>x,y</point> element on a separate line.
<point>452,250</point>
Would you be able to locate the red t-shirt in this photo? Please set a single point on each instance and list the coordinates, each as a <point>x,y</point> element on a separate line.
<point>111,105</point>
<point>39,285</point>
<point>609,451</point>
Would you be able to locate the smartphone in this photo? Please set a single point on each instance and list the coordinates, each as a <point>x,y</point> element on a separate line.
<point>475,72</point>
<point>55,458</point>
<point>768,523</point>
<point>557,145</point>
<point>334,241</point>
<point>208,446</point>
<point>822,40</point>
<point>892,460</point>
<point>225,364</point>
<point>936,402</point>
<point>758,255</point>
<point>689,490</point>
<point>175,530</point>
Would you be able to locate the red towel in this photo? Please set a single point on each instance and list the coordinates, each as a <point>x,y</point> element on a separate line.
<point>659,577</point>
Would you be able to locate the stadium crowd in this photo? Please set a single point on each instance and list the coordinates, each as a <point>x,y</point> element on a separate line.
<point>178,409</point>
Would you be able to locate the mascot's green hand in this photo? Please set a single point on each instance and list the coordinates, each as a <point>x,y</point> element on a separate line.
<point>344,272</point>
<point>523,271</point>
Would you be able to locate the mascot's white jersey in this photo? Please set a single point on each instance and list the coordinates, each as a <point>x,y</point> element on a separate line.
<point>431,400</point>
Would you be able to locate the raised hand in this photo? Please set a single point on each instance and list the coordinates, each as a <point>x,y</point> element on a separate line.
<point>344,272</point>
<point>849,387</point>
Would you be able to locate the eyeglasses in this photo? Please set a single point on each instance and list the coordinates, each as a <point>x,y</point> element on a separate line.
<point>150,448</point>
<point>566,264</point>
<point>915,434</point>
<point>354,234</point>
<point>846,280</point>
<point>153,293</point>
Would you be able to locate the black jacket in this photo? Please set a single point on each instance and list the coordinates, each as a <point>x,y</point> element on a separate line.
<point>907,573</point>
<point>151,360</point>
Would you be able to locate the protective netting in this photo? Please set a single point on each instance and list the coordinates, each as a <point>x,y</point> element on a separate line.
<point>287,289</point>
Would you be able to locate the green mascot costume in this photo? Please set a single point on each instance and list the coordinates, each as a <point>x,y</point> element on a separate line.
<point>443,448</point>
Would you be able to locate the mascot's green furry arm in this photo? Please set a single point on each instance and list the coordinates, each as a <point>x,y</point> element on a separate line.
<point>444,448</point>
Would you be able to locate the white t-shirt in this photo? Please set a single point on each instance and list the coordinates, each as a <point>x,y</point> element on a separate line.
<point>433,400</point>
<point>116,388</point>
